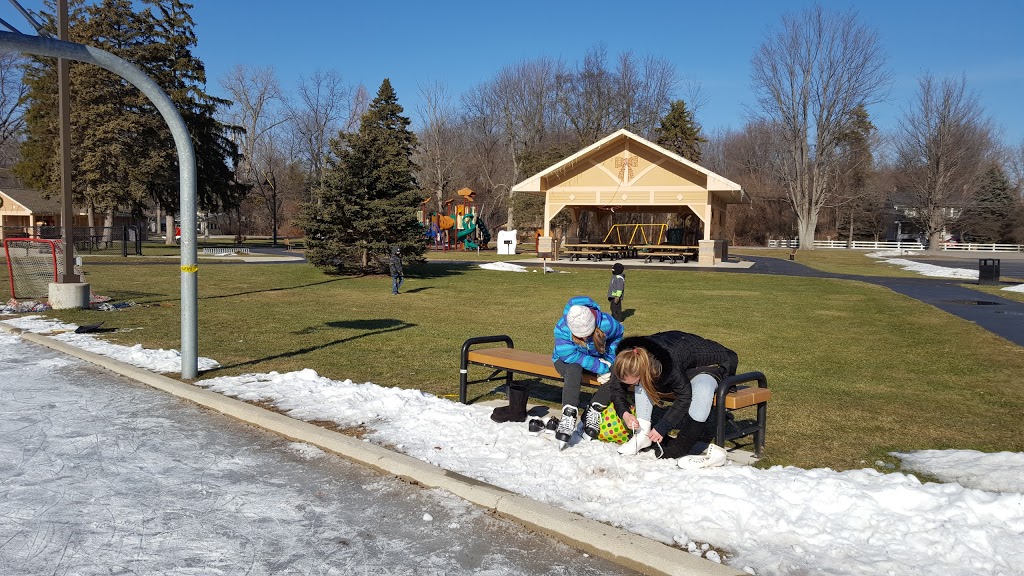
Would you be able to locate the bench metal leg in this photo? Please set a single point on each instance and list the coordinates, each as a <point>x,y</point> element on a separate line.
<point>721,412</point>
<point>464,361</point>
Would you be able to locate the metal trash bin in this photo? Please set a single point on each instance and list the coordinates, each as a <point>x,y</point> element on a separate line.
<point>988,271</point>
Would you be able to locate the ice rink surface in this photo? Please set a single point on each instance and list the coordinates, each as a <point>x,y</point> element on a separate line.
<point>102,475</point>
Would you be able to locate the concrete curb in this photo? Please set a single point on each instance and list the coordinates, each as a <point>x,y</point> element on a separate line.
<point>608,542</point>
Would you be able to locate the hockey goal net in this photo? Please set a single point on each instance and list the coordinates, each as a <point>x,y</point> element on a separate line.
<point>32,264</point>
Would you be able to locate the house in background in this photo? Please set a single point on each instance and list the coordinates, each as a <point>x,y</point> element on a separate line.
<point>25,213</point>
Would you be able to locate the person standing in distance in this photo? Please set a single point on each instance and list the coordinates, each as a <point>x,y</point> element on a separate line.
<point>397,277</point>
<point>616,288</point>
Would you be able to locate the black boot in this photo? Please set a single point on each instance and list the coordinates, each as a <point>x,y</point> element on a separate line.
<point>690,432</point>
<point>516,409</point>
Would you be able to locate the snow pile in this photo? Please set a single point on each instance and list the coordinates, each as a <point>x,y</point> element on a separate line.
<point>504,267</point>
<point>923,269</point>
<point>778,521</point>
<point>783,520</point>
<point>164,361</point>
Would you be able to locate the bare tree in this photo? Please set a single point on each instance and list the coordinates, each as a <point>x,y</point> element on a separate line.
<point>522,98</point>
<point>322,105</point>
<point>12,104</point>
<point>597,100</point>
<point>1015,164</point>
<point>941,145</point>
<point>260,109</point>
<point>439,149</point>
<point>808,77</point>
<point>643,93</point>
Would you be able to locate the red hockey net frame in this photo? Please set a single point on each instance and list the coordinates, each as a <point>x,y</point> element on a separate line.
<point>47,254</point>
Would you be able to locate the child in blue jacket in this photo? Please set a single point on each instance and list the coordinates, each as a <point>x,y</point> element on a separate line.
<point>585,339</point>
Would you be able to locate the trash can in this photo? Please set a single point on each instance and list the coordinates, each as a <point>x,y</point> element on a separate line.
<point>988,271</point>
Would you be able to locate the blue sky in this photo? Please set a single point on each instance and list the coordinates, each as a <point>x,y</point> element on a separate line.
<point>465,43</point>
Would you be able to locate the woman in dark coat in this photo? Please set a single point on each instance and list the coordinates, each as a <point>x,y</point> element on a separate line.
<point>670,366</point>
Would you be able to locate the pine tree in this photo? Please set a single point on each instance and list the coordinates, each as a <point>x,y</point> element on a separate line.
<point>367,204</point>
<point>680,133</point>
<point>183,76</point>
<point>991,216</point>
<point>123,156</point>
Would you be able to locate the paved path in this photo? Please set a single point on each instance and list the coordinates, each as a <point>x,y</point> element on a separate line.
<point>994,313</point>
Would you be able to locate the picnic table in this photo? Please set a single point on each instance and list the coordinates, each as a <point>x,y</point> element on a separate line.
<point>597,251</point>
<point>672,252</point>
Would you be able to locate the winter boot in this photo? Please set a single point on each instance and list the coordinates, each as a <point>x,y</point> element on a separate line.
<point>516,409</point>
<point>715,455</point>
<point>568,424</point>
<point>592,420</point>
<point>639,441</point>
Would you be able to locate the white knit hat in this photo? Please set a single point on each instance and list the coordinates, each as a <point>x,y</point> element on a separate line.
<point>580,320</point>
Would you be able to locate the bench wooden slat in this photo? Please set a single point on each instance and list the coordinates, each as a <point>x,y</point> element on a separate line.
<point>522,361</point>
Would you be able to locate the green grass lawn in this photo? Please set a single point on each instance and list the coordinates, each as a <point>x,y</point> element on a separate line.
<point>856,370</point>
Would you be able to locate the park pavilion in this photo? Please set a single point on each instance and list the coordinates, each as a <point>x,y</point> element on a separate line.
<point>627,174</point>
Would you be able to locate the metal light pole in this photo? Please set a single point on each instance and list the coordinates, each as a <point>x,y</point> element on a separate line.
<point>186,168</point>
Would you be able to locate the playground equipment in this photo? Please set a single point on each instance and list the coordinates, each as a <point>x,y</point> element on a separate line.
<point>458,227</point>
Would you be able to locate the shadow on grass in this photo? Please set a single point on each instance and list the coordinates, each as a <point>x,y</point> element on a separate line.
<point>372,327</point>
<point>440,270</point>
<point>281,289</point>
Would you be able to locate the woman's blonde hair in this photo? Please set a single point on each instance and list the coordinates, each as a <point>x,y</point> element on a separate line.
<point>600,340</point>
<point>638,362</point>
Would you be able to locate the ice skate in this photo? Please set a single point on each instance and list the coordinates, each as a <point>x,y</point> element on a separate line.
<point>639,441</point>
<point>714,456</point>
<point>570,419</point>
<point>592,421</point>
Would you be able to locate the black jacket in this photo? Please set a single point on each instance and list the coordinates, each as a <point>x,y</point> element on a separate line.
<point>681,356</point>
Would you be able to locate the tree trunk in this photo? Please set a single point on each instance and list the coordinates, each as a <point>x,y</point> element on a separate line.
<point>805,230</point>
<point>169,223</point>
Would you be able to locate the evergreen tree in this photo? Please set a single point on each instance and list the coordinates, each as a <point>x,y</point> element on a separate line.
<point>367,204</point>
<point>680,133</point>
<point>123,156</point>
<point>183,76</point>
<point>991,218</point>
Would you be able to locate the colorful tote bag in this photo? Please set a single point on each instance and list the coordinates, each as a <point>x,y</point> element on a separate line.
<point>612,428</point>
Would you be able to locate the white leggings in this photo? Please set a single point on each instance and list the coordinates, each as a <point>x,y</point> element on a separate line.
<point>702,387</point>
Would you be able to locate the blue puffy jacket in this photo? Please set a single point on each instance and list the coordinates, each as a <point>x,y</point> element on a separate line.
<point>587,356</point>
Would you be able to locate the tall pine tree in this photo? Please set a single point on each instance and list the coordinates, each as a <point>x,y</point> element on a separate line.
<point>367,204</point>
<point>123,156</point>
<point>183,76</point>
<point>680,133</point>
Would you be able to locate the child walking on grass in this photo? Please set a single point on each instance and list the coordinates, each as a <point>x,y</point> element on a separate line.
<point>615,290</point>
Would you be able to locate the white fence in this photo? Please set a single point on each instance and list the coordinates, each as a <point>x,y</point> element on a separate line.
<point>868,245</point>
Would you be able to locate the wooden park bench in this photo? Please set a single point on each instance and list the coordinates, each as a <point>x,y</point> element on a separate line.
<point>732,393</point>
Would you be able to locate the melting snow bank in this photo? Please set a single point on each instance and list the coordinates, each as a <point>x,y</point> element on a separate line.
<point>998,472</point>
<point>778,521</point>
<point>504,267</point>
<point>923,269</point>
<point>784,520</point>
<point>509,267</point>
<point>163,361</point>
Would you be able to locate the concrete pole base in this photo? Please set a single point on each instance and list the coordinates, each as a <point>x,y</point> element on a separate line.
<point>64,296</point>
